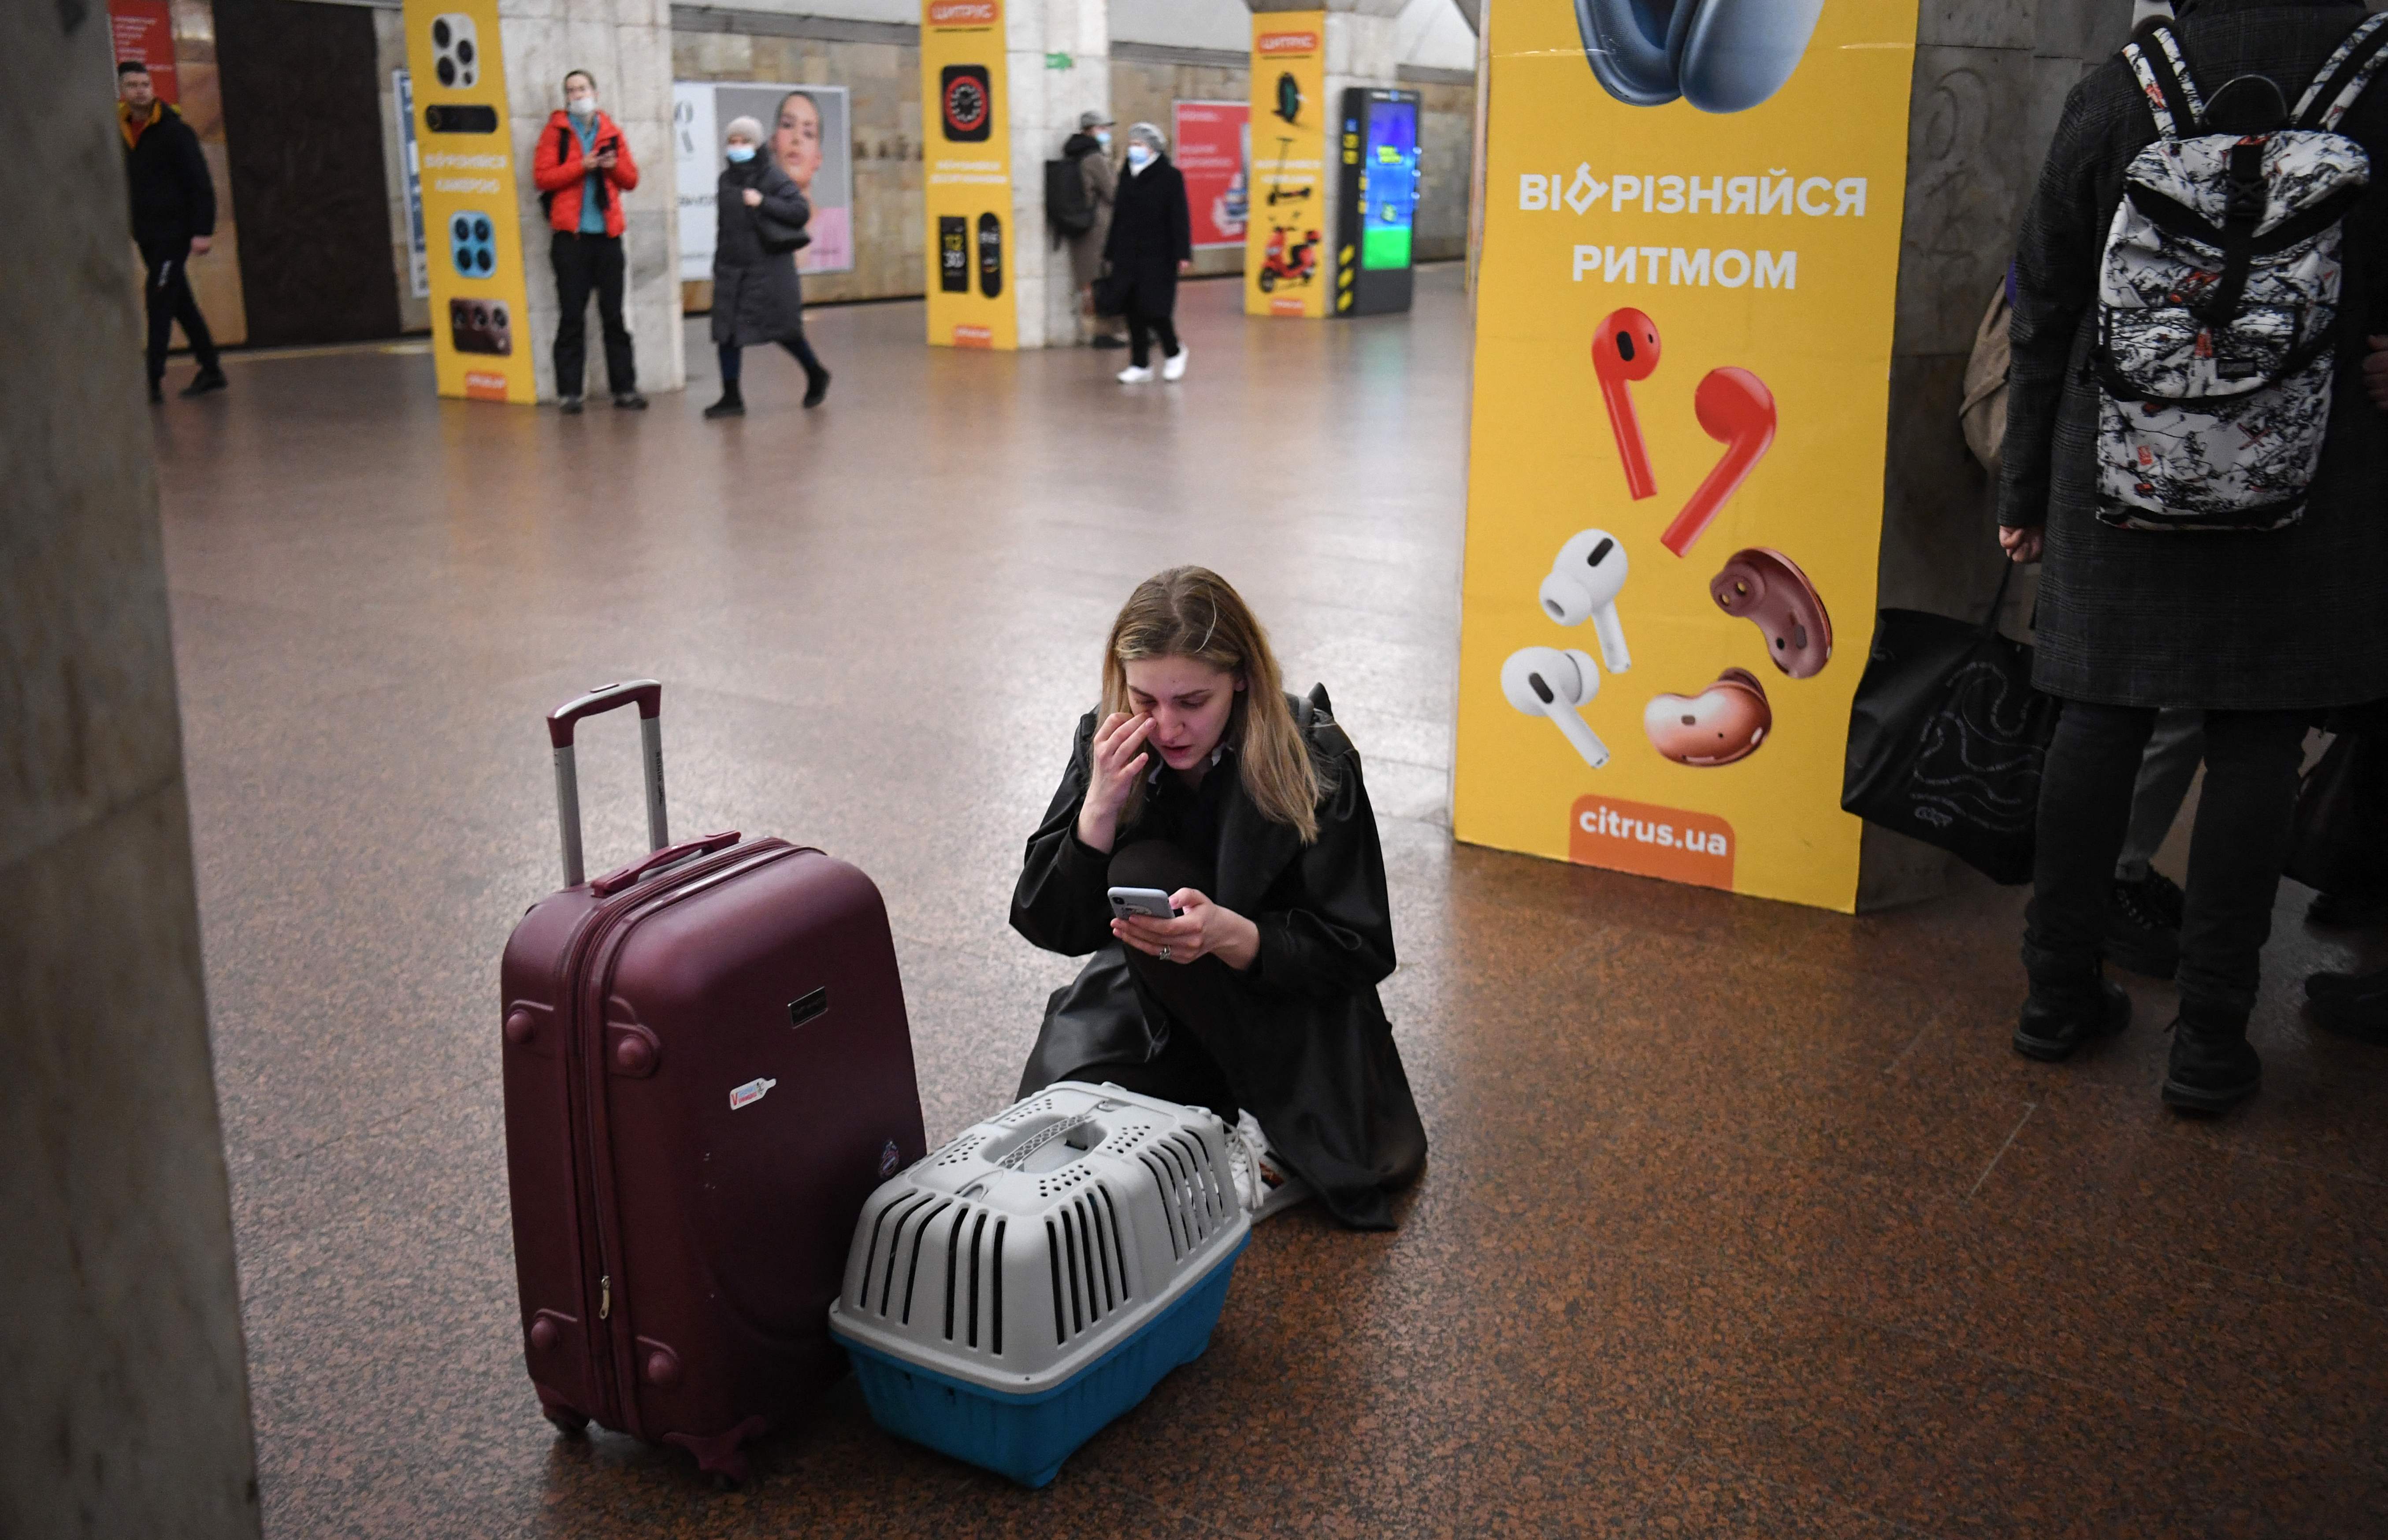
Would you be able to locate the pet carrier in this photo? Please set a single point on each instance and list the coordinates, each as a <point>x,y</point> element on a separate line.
<point>1017,1289</point>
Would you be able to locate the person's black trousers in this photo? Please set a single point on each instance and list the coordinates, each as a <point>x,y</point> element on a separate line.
<point>167,291</point>
<point>1200,997</point>
<point>1141,330</point>
<point>585,264</point>
<point>2236,848</point>
<point>733,360</point>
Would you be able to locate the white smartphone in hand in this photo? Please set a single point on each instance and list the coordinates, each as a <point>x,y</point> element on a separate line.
<point>1149,903</point>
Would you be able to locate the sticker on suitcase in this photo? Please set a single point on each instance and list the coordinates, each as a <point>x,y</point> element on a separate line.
<point>749,1093</point>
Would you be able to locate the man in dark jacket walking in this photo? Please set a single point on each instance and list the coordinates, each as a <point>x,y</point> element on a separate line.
<point>173,216</point>
<point>2261,631</point>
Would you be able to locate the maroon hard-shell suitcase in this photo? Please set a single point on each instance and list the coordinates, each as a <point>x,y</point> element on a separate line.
<point>708,1071</point>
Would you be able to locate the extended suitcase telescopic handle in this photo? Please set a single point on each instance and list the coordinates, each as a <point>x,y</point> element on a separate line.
<point>648,695</point>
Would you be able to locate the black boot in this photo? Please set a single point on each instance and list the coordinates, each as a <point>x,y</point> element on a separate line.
<point>2144,925</point>
<point>207,379</point>
<point>2350,1005</point>
<point>157,392</point>
<point>2056,1020</point>
<point>731,405</point>
<point>2210,1068</point>
<point>817,388</point>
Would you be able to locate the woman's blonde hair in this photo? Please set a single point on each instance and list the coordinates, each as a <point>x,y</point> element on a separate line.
<point>1192,611</point>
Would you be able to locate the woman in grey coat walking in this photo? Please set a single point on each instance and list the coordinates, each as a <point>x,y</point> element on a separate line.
<point>756,295</point>
<point>2263,632</point>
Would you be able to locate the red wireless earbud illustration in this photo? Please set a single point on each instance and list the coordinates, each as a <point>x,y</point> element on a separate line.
<point>1735,409</point>
<point>1627,349</point>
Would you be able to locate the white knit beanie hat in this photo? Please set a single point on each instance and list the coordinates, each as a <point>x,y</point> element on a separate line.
<point>743,128</point>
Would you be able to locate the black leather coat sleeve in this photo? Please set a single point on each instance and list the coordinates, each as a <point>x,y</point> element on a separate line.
<point>1335,934</point>
<point>1061,901</point>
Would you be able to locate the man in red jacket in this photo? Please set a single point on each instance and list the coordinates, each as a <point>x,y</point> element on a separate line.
<point>582,166</point>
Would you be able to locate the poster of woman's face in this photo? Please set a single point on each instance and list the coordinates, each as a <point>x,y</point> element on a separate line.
<point>807,134</point>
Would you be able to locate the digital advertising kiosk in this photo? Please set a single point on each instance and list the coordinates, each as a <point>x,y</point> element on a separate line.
<point>1377,152</point>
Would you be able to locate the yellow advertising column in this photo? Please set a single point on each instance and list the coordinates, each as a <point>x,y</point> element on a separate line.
<point>1675,485</point>
<point>968,120</point>
<point>1289,266</point>
<point>480,337</point>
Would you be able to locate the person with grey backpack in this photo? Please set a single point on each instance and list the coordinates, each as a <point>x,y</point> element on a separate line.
<point>2192,453</point>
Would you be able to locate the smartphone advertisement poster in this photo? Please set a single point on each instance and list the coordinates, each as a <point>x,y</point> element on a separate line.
<point>1213,151</point>
<point>1288,268</point>
<point>482,344</point>
<point>968,130</point>
<point>807,132</point>
<point>410,153</point>
<point>1676,448</point>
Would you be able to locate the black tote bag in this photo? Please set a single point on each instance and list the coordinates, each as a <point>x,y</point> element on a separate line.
<point>1947,738</point>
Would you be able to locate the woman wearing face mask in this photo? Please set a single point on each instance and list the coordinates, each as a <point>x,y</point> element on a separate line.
<point>1151,242</point>
<point>582,167</point>
<point>1199,777</point>
<point>756,295</point>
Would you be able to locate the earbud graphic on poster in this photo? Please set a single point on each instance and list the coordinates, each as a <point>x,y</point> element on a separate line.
<point>1586,578</point>
<point>1735,409</point>
<point>1544,682</point>
<point>1723,723</point>
<point>1626,349</point>
<point>1720,55</point>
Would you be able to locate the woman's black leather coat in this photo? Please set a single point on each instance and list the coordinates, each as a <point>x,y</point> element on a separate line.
<point>1314,1059</point>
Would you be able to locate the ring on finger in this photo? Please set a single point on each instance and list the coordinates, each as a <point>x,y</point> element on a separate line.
<point>1164,954</point>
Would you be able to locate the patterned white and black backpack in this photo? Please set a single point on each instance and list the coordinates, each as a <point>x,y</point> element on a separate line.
<point>2219,297</point>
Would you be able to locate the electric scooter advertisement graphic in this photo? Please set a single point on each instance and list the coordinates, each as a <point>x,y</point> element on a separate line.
<point>1285,253</point>
<point>1676,450</point>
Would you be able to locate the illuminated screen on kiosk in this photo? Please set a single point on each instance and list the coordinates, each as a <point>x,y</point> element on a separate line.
<point>1391,183</point>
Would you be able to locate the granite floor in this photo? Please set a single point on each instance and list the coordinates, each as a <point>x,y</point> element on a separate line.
<point>1741,1220</point>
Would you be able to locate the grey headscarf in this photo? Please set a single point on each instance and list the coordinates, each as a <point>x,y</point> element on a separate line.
<point>1151,133</point>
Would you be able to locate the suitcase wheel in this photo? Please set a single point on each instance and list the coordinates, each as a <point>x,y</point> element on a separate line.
<point>571,1424</point>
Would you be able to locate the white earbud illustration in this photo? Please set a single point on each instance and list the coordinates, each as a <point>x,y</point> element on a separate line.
<point>1583,584</point>
<point>1544,682</point>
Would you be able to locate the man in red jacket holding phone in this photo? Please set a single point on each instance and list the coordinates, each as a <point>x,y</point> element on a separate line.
<point>582,166</point>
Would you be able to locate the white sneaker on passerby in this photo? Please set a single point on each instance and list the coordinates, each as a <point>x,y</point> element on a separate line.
<point>1262,1182</point>
<point>1136,373</point>
<point>1173,366</point>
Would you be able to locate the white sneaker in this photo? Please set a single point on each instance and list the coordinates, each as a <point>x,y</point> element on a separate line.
<point>1136,373</point>
<point>1173,366</point>
<point>1266,1187</point>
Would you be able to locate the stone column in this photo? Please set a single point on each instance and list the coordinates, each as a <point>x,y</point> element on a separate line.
<point>1057,63</point>
<point>1362,49</point>
<point>1990,82</point>
<point>627,45</point>
<point>125,1406</point>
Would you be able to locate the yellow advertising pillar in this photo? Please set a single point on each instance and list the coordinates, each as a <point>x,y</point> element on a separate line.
<point>964,102</point>
<point>480,338</point>
<point>1289,266</point>
<point>1675,489</point>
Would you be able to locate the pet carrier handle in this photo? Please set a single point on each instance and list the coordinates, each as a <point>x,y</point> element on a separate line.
<point>648,695</point>
<point>621,877</point>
